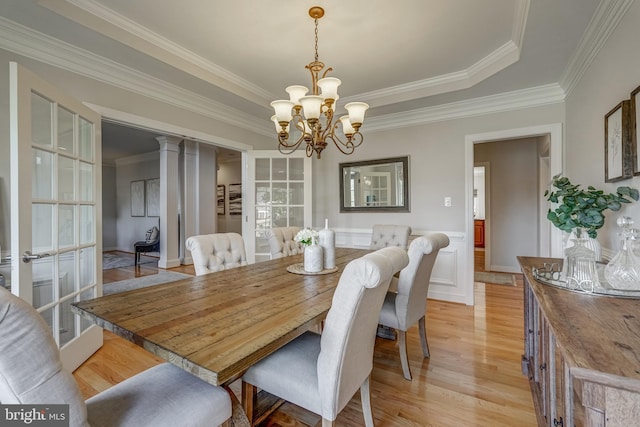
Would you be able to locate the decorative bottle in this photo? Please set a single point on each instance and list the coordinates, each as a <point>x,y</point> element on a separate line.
<point>623,271</point>
<point>328,242</point>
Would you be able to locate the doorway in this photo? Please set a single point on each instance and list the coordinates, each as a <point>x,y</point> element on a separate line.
<point>134,139</point>
<point>552,237</point>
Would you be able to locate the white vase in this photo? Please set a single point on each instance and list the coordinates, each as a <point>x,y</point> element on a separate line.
<point>328,243</point>
<point>313,258</point>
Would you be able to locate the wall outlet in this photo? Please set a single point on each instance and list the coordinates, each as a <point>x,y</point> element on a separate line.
<point>447,202</point>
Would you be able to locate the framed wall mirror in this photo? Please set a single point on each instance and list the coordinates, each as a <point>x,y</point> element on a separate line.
<point>380,185</point>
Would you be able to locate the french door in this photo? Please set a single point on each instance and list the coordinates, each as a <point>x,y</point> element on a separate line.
<point>278,194</point>
<point>56,212</point>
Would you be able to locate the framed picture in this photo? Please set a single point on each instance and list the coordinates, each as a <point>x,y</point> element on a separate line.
<point>153,197</point>
<point>235,199</point>
<point>220,198</point>
<point>137,198</point>
<point>635,120</point>
<point>619,155</point>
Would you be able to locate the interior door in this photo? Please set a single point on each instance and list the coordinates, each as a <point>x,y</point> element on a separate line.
<point>56,212</point>
<point>278,195</point>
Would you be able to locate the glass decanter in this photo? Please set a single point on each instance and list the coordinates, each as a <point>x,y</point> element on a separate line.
<point>581,273</point>
<point>623,271</point>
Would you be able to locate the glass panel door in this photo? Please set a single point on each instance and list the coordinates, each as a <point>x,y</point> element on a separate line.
<point>55,209</point>
<point>279,195</point>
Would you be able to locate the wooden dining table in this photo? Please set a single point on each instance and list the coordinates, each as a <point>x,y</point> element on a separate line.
<point>217,325</point>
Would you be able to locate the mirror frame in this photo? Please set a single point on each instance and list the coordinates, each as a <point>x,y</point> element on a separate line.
<point>405,175</point>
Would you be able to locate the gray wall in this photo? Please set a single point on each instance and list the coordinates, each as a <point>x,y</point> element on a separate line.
<point>513,192</point>
<point>610,78</point>
<point>131,229</point>
<point>229,173</point>
<point>109,211</point>
<point>437,169</point>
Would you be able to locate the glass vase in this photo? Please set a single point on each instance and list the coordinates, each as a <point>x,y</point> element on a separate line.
<point>313,261</point>
<point>580,272</point>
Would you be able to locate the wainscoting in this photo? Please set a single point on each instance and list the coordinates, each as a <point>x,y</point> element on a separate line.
<point>447,278</point>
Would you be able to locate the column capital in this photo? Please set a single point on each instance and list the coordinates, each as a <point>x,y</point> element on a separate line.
<point>169,143</point>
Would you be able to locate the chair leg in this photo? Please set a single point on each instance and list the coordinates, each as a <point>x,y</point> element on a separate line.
<point>423,337</point>
<point>404,361</point>
<point>248,399</point>
<point>365,396</point>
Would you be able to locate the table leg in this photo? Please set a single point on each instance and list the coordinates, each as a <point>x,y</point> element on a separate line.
<point>238,416</point>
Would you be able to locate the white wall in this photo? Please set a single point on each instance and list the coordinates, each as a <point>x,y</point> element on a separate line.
<point>610,79</point>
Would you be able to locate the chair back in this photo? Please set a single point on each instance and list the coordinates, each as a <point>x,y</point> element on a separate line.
<point>348,337</point>
<point>216,252</point>
<point>383,236</point>
<point>413,283</point>
<point>31,371</point>
<point>282,242</point>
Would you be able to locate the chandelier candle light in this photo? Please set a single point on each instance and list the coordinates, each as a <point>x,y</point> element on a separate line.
<point>313,115</point>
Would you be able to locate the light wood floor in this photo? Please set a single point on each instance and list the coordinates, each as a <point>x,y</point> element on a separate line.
<point>472,378</point>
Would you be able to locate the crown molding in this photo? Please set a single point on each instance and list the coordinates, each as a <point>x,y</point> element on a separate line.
<point>118,27</point>
<point>99,18</point>
<point>525,98</point>
<point>499,59</point>
<point>151,156</point>
<point>603,23</point>
<point>40,47</point>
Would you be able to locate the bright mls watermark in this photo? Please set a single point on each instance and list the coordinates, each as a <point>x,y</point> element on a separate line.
<point>34,415</point>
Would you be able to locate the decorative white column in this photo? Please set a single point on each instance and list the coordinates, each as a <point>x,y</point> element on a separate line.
<point>169,235</point>
<point>206,189</point>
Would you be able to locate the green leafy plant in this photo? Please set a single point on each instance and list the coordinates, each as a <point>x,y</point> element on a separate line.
<point>584,208</point>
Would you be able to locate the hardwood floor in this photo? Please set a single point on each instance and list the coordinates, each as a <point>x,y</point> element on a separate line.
<point>472,378</point>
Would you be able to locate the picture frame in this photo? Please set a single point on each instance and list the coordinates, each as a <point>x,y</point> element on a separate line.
<point>153,197</point>
<point>235,199</point>
<point>220,199</point>
<point>635,119</point>
<point>619,155</point>
<point>137,198</point>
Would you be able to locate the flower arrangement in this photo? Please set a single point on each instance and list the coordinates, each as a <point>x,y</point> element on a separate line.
<point>307,236</point>
<point>584,208</point>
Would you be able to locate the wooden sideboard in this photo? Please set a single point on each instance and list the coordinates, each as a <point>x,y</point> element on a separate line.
<point>581,354</point>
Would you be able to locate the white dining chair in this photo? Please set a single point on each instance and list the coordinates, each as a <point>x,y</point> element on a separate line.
<point>282,242</point>
<point>321,373</point>
<point>31,373</point>
<point>408,305</point>
<point>384,235</point>
<point>216,252</point>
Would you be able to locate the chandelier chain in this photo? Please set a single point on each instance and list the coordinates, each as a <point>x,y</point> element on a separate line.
<point>316,20</point>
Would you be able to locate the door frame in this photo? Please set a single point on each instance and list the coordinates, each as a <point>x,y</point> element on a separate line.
<point>556,166</point>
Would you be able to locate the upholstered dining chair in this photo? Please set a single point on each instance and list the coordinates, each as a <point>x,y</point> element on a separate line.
<point>282,242</point>
<point>321,373</point>
<point>408,305</point>
<point>390,235</point>
<point>31,373</point>
<point>216,252</point>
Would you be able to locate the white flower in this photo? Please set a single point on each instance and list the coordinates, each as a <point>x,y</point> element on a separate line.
<point>306,236</point>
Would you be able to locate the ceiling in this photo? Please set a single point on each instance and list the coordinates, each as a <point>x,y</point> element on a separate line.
<point>397,56</point>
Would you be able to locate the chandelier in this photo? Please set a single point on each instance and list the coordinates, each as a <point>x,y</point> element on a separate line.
<point>313,115</point>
